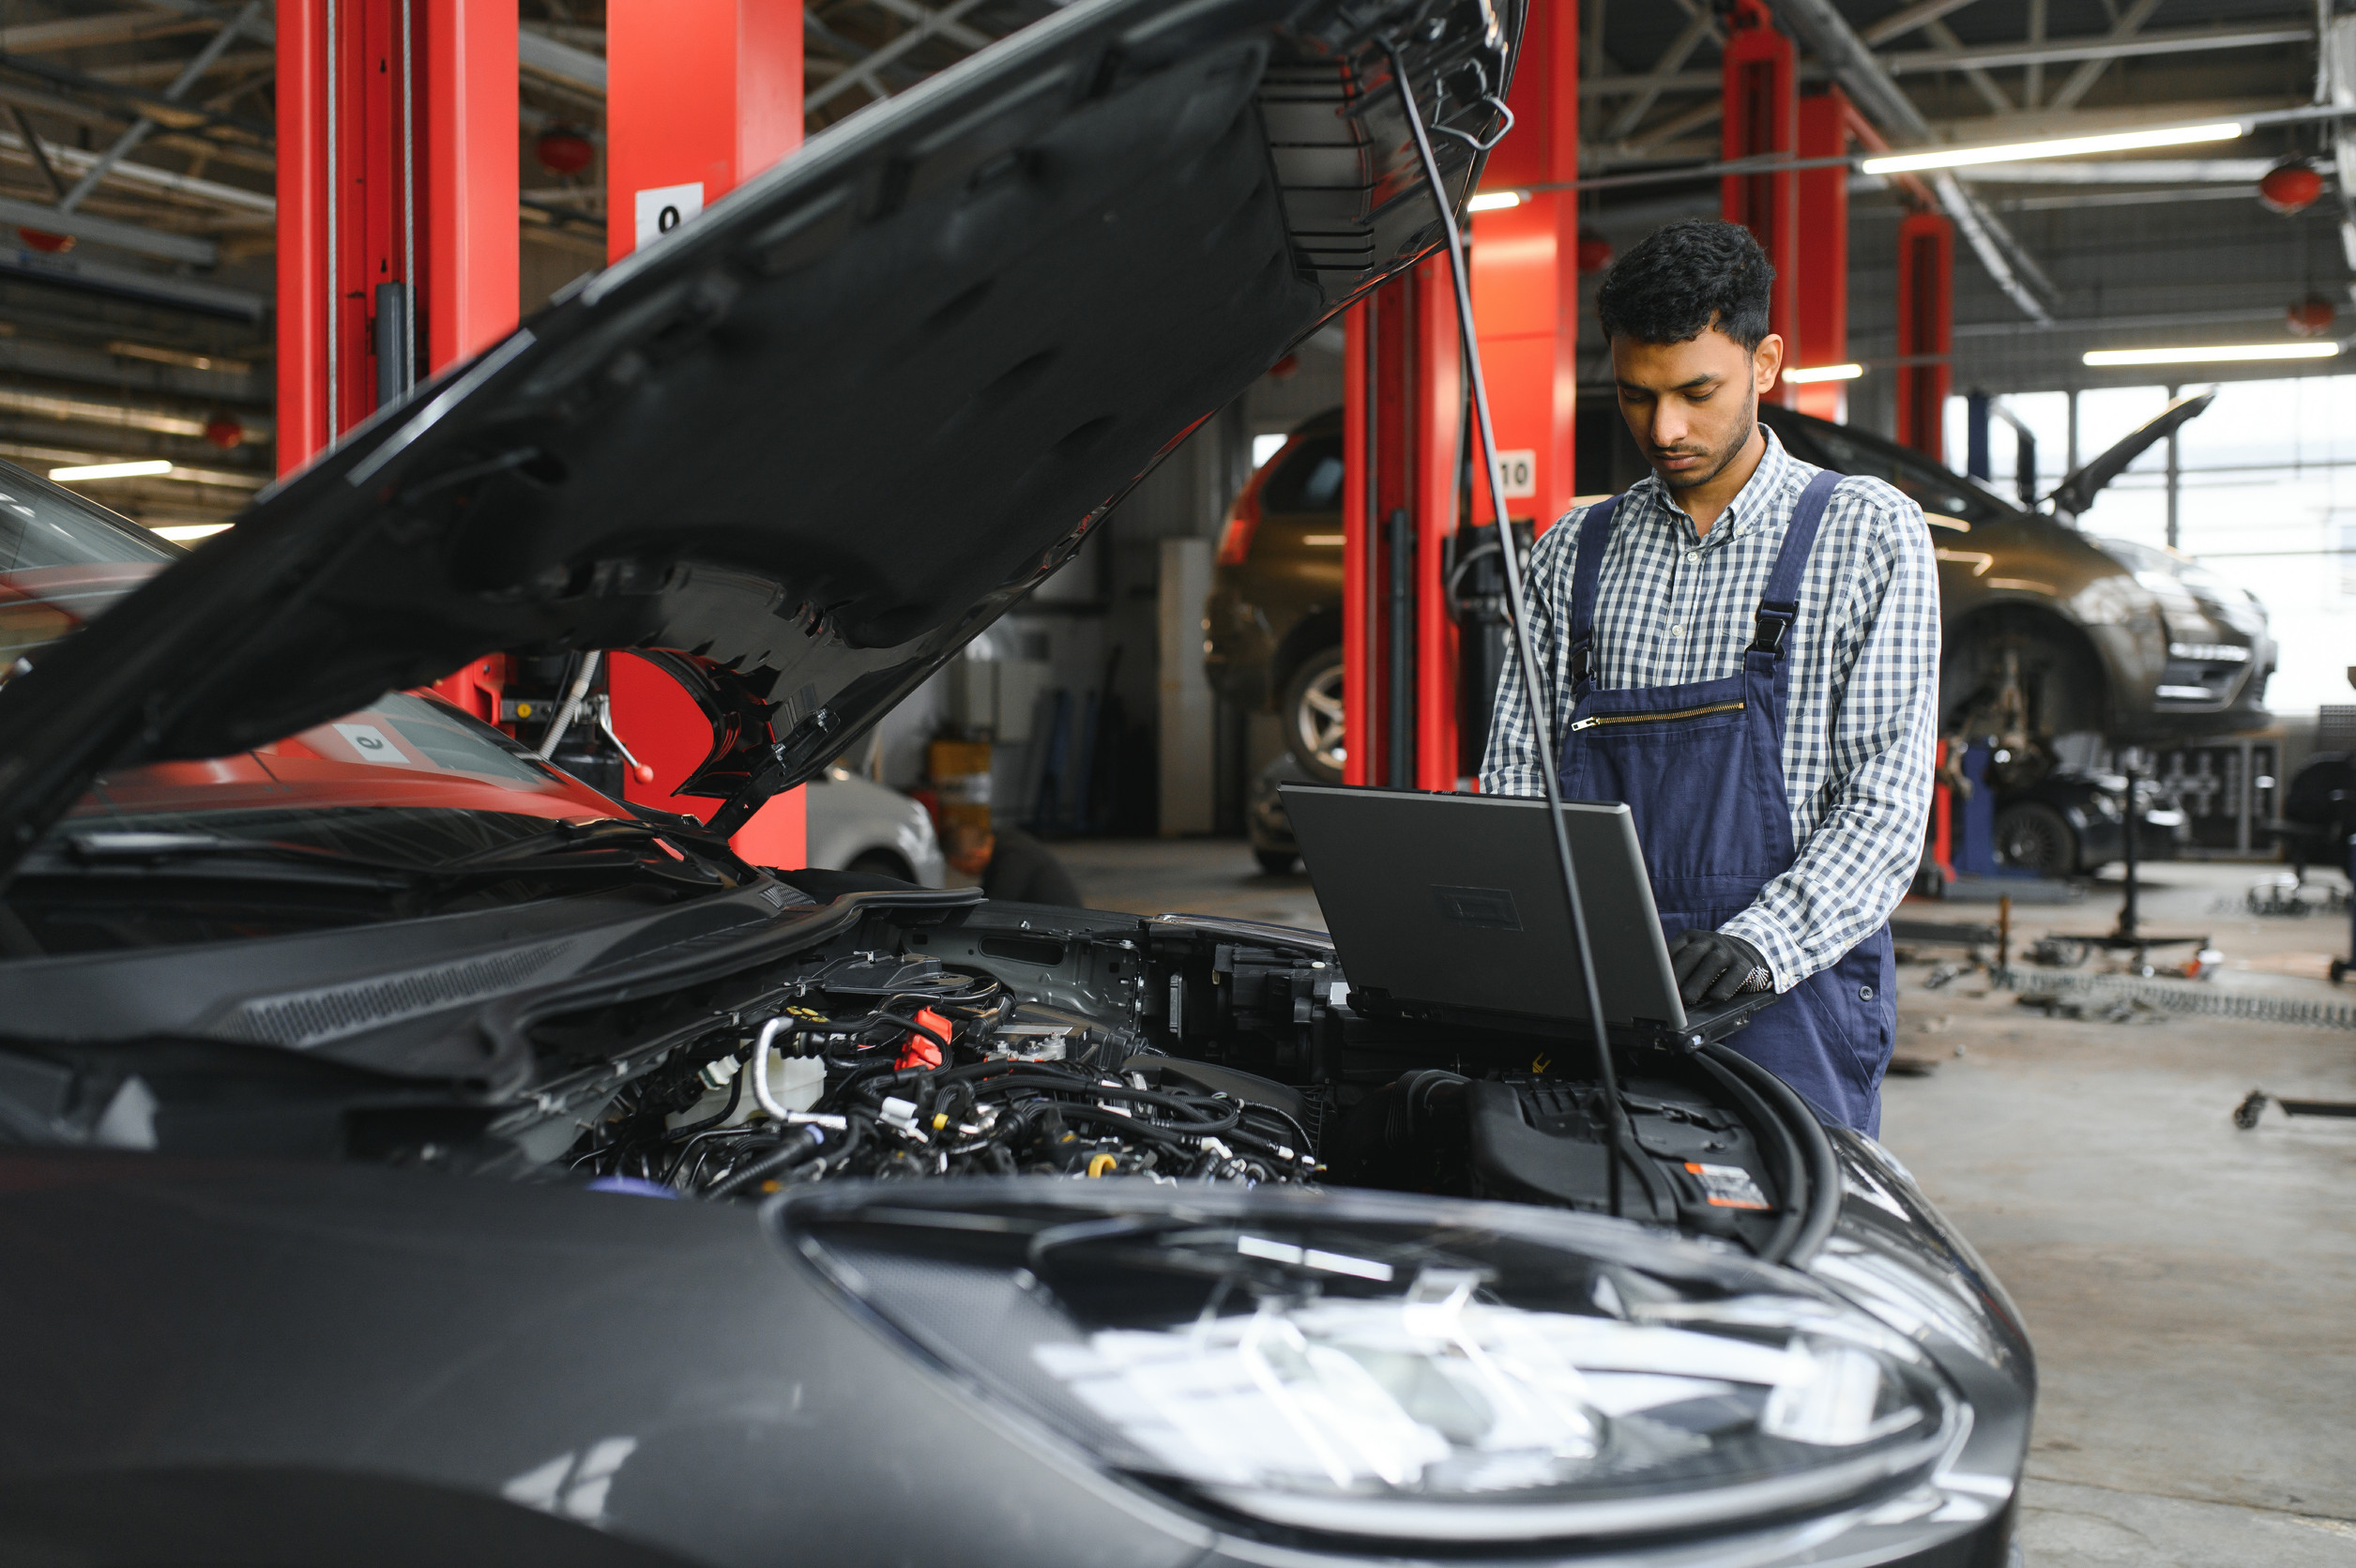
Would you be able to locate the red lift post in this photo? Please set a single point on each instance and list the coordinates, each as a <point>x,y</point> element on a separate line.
<point>397,235</point>
<point>1762,119</point>
<point>1825,120</point>
<point>1926,316</point>
<point>701,95</point>
<point>1406,435</point>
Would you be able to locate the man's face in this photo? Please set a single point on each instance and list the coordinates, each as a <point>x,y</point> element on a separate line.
<point>1691,407</point>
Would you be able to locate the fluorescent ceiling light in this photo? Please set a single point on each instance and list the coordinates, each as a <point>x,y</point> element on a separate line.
<point>2065,147</point>
<point>1824,372</point>
<point>1492,201</point>
<point>113,470</point>
<point>186,531</point>
<point>2210,355</point>
<point>1266,446</point>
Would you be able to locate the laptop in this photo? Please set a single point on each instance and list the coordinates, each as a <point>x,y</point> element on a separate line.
<point>1451,907</point>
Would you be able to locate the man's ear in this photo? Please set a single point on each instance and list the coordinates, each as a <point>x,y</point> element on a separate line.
<point>1766,364</point>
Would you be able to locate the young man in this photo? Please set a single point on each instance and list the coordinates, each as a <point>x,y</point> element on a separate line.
<point>1745,649</point>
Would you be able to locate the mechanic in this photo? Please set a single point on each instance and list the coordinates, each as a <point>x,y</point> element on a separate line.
<point>1010,863</point>
<point>1744,649</point>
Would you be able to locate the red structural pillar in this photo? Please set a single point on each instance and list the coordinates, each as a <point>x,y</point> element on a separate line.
<point>1526,274</point>
<point>701,95</point>
<point>1402,425</point>
<point>1762,119</point>
<point>397,166</point>
<point>1823,245</point>
<point>397,232</point>
<point>1926,313</point>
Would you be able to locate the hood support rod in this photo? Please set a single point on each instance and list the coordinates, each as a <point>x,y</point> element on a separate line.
<point>1607,1073</point>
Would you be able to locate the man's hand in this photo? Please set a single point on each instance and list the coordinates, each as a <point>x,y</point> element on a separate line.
<point>1711,966</point>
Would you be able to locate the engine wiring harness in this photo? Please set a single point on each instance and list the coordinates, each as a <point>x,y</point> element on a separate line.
<point>904,1068</point>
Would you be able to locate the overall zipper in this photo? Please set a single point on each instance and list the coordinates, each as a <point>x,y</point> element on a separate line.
<point>1734,706</point>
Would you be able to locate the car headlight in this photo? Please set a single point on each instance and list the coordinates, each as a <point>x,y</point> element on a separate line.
<point>1380,1366</point>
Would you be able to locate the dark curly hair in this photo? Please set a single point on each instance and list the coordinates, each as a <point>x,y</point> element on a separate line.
<point>1684,279</point>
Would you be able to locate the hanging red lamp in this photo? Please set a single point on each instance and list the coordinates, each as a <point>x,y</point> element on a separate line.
<point>2289,188</point>
<point>2311,317</point>
<point>564,151</point>
<point>47,243</point>
<point>224,431</point>
<point>1595,253</point>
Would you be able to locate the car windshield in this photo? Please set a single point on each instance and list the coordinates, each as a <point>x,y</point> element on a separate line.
<point>1935,488</point>
<point>1309,479</point>
<point>406,781</point>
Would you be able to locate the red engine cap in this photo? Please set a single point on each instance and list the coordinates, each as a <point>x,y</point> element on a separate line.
<point>920,1050</point>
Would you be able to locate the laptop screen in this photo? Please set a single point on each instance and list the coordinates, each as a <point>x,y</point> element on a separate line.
<point>1456,902</point>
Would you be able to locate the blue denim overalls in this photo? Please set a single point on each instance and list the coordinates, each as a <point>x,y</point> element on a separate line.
<point>1701,767</point>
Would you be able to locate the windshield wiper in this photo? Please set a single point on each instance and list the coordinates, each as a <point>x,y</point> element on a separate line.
<point>105,848</point>
<point>563,850</point>
<point>563,846</point>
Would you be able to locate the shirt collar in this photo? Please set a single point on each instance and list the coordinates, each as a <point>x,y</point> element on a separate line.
<point>1753,505</point>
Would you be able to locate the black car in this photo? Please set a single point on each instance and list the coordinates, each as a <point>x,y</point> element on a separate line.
<point>407,1155</point>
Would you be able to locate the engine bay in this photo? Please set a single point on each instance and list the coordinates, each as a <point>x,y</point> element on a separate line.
<point>998,1039</point>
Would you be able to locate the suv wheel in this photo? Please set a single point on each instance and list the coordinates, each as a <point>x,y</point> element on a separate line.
<point>1313,716</point>
<point>2035,837</point>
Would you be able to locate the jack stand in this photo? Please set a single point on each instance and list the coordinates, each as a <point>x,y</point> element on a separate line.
<point>2129,935</point>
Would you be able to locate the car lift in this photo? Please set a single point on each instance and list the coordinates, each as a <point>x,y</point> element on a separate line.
<point>398,243</point>
<point>1413,722</point>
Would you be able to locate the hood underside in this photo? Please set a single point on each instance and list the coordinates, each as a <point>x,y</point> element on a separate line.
<point>812,443</point>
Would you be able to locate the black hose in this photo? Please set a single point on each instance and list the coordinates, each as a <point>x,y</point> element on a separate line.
<point>1790,1172</point>
<point>925,1030</point>
<point>1824,1171</point>
<point>795,1153</point>
<point>736,1095</point>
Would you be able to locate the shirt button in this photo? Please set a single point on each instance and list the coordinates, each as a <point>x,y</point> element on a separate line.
<point>1677,631</point>
<point>1693,555</point>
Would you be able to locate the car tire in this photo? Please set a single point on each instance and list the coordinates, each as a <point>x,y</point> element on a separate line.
<point>2032,836</point>
<point>882,862</point>
<point>1312,711</point>
<point>1276,863</point>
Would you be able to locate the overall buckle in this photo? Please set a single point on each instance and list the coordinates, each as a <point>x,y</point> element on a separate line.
<point>1768,624</point>
<point>1579,660</point>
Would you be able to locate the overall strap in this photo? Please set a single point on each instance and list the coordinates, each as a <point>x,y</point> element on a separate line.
<point>1595,532</point>
<point>1779,605</point>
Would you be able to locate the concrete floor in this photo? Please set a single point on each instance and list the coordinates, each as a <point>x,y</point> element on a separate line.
<point>2191,1287</point>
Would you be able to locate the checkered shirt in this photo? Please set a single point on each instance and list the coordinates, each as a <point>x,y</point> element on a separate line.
<point>1674,606</point>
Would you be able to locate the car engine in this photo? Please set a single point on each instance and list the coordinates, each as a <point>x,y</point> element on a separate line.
<point>990,1040</point>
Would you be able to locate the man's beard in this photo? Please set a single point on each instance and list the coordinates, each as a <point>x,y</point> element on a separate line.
<point>1734,450</point>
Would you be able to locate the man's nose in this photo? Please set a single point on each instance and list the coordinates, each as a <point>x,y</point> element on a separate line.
<point>1668,425</point>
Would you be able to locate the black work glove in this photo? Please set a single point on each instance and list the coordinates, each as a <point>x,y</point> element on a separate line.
<point>1711,966</point>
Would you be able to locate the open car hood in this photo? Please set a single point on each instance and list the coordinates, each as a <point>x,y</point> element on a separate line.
<point>807,445</point>
<point>2077,493</point>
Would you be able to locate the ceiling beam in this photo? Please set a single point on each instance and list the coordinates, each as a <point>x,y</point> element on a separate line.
<point>1698,27</point>
<point>1825,32</point>
<point>1898,23</point>
<point>106,231</point>
<point>2083,78</point>
<point>86,32</point>
<point>864,73</point>
<point>1981,83</point>
<point>908,10</point>
<point>543,55</point>
<point>1913,62</point>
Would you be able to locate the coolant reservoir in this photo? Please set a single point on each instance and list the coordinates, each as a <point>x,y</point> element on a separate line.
<point>794,1083</point>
